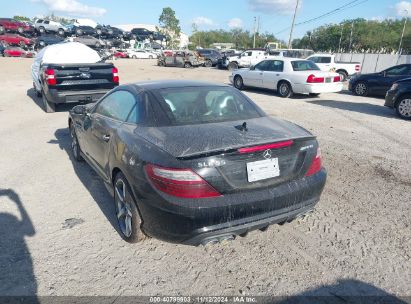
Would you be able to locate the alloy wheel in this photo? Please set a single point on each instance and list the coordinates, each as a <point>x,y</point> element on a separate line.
<point>74,143</point>
<point>123,208</point>
<point>284,89</point>
<point>404,108</point>
<point>360,89</point>
<point>238,82</point>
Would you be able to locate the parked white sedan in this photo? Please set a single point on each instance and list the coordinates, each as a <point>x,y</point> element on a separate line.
<point>141,54</point>
<point>287,76</point>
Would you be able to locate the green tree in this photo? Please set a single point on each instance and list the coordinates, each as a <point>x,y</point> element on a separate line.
<point>370,36</point>
<point>170,26</point>
<point>21,18</point>
<point>239,37</point>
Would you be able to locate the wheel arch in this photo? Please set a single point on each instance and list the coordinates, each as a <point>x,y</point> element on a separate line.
<point>342,70</point>
<point>400,97</point>
<point>284,80</point>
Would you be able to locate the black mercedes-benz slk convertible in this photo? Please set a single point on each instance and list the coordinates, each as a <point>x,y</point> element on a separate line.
<point>196,163</point>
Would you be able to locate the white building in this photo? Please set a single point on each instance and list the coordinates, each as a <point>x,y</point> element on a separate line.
<point>128,27</point>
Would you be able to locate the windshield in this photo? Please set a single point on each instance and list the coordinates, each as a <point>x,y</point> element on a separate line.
<point>304,65</point>
<point>197,105</point>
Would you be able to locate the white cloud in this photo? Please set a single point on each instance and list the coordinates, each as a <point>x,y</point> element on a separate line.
<point>402,8</point>
<point>235,23</point>
<point>73,8</point>
<point>203,21</point>
<point>283,7</point>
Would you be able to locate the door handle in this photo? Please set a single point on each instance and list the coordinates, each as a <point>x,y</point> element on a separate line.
<point>261,73</point>
<point>277,74</point>
<point>106,137</point>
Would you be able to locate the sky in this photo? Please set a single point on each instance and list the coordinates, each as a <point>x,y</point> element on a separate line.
<point>275,15</point>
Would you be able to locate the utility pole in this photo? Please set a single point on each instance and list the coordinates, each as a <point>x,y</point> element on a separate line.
<point>403,30</point>
<point>339,44</point>
<point>292,25</point>
<point>255,30</point>
<point>352,28</point>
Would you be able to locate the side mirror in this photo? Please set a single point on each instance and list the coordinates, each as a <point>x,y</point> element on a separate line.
<point>384,73</point>
<point>80,110</point>
<point>252,68</point>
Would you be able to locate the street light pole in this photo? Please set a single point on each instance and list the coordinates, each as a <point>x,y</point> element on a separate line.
<point>339,44</point>
<point>292,25</point>
<point>352,28</point>
<point>255,29</point>
<point>403,30</point>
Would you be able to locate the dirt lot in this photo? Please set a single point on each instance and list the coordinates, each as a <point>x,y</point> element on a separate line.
<point>357,242</point>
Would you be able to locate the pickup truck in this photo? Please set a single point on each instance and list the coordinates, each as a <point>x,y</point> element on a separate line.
<point>66,83</point>
<point>327,63</point>
<point>245,59</point>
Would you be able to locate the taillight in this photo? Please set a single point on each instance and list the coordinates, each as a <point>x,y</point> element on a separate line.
<point>337,79</point>
<point>277,145</point>
<point>313,79</point>
<point>357,67</point>
<point>50,76</point>
<point>180,182</point>
<point>315,165</point>
<point>116,79</point>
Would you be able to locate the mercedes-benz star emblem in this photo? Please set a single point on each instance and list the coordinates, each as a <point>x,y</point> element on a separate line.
<point>267,154</point>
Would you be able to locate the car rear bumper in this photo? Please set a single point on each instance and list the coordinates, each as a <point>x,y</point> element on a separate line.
<point>56,96</point>
<point>228,215</point>
<point>317,88</point>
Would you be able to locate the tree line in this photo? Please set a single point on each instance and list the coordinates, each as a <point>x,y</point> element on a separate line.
<point>239,37</point>
<point>356,35</point>
<point>369,36</point>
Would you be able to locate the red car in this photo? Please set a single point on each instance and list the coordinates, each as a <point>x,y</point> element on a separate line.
<point>119,54</point>
<point>14,39</point>
<point>11,25</point>
<point>17,52</point>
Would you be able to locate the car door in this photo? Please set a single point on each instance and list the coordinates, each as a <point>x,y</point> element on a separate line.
<point>254,76</point>
<point>390,76</point>
<point>273,73</point>
<point>105,119</point>
<point>245,59</point>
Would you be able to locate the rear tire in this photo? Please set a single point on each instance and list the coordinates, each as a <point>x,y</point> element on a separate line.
<point>314,94</point>
<point>49,107</point>
<point>42,30</point>
<point>284,89</point>
<point>208,64</point>
<point>238,82</point>
<point>79,32</point>
<point>343,75</point>
<point>60,32</point>
<point>403,107</point>
<point>361,89</point>
<point>127,214</point>
<point>187,65</point>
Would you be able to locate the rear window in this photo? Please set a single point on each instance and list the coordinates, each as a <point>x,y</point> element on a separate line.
<point>198,105</point>
<point>304,65</point>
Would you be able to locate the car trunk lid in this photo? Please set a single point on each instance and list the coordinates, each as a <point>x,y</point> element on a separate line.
<point>270,152</point>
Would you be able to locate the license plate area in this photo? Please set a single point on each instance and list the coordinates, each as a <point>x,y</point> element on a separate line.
<point>328,79</point>
<point>262,169</point>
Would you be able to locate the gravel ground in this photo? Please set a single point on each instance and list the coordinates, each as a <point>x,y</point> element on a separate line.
<point>62,239</point>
